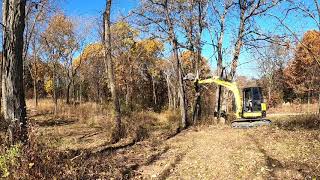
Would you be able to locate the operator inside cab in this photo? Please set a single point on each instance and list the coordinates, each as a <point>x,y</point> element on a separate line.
<point>252,99</point>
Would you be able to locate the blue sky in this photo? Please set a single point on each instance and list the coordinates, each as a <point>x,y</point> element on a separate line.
<point>94,8</point>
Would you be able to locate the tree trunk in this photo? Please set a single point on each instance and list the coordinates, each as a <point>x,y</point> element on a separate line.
<point>238,45</point>
<point>115,101</point>
<point>127,94</point>
<point>13,97</point>
<point>74,93</point>
<point>174,93</point>
<point>35,92</point>
<point>68,93</point>
<point>1,80</point>
<point>170,103</point>
<point>181,90</point>
<point>269,94</point>
<point>197,103</point>
<point>54,81</point>
<point>308,105</point>
<point>220,90</point>
<point>319,106</point>
<point>154,91</point>
<point>80,92</point>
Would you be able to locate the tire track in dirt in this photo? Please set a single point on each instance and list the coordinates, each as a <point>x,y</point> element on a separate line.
<point>226,153</point>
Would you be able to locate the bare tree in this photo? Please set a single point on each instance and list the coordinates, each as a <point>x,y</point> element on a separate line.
<point>37,14</point>
<point>311,11</point>
<point>217,22</point>
<point>174,42</point>
<point>13,97</point>
<point>246,31</point>
<point>192,21</point>
<point>161,15</point>
<point>271,62</point>
<point>110,71</point>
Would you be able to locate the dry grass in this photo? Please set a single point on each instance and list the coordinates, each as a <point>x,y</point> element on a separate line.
<point>62,147</point>
<point>89,125</point>
<point>298,122</point>
<point>295,108</point>
<point>65,145</point>
<point>217,152</point>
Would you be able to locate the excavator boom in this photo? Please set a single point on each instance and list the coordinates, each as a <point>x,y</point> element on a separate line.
<point>232,86</point>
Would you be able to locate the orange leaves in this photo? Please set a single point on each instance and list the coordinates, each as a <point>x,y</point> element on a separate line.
<point>309,49</point>
<point>189,59</point>
<point>59,38</point>
<point>151,46</point>
<point>302,72</point>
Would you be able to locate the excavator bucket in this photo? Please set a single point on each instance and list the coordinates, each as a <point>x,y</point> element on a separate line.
<point>250,123</point>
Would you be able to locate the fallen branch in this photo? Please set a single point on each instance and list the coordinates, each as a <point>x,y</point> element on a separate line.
<point>112,147</point>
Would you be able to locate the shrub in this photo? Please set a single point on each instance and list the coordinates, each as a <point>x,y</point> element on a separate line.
<point>9,159</point>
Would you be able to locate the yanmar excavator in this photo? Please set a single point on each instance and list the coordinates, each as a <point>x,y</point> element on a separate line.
<point>250,109</point>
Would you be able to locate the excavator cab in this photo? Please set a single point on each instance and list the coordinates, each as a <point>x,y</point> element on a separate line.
<point>253,109</point>
<point>253,103</point>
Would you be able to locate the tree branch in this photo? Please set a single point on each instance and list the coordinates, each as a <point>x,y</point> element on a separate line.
<point>313,55</point>
<point>2,25</point>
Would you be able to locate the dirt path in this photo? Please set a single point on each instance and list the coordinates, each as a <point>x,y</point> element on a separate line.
<point>225,153</point>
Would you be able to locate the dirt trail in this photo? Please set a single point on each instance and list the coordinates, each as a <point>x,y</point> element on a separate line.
<point>225,153</point>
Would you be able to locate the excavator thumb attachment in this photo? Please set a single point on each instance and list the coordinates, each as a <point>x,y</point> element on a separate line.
<point>249,123</point>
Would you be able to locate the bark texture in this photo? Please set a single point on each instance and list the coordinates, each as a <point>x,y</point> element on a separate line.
<point>13,97</point>
<point>110,71</point>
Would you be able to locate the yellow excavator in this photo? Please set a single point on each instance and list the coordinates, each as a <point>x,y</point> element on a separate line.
<point>250,108</point>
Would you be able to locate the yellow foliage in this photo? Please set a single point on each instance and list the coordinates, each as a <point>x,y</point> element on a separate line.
<point>8,159</point>
<point>91,51</point>
<point>123,33</point>
<point>48,86</point>
<point>151,46</point>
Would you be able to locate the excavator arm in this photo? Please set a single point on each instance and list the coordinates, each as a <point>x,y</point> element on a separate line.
<point>232,86</point>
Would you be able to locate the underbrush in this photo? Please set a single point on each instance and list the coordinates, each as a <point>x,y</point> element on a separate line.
<point>88,112</point>
<point>141,125</point>
<point>35,161</point>
<point>307,122</point>
<point>135,125</point>
<point>294,108</point>
<point>8,159</point>
<point>206,121</point>
<point>43,158</point>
